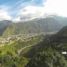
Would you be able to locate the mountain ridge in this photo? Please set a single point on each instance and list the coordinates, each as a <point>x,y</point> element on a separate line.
<point>38,25</point>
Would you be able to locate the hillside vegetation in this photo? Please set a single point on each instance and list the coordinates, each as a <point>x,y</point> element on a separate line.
<point>36,51</point>
<point>34,43</point>
<point>49,53</point>
<point>10,53</point>
<point>34,26</point>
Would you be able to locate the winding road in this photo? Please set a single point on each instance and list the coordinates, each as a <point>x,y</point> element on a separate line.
<point>19,51</point>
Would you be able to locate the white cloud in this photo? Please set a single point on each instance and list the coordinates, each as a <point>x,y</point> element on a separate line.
<point>4,13</point>
<point>17,19</point>
<point>31,11</point>
<point>49,7</point>
<point>58,7</point>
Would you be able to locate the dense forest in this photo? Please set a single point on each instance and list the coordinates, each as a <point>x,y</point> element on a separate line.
<point>35,51</point>
<point>36,43</point>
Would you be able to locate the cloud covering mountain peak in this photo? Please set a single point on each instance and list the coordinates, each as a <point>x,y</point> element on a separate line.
<point>29,10</point>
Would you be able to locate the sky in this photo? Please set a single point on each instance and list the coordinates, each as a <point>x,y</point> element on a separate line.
<point>29,9</point>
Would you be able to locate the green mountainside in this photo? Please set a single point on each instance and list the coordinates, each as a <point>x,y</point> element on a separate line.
<point>3,25</point>
<point>49,53</point>
<point>49,24</point>
<point>22,45</point>
<point>10,53</point>
<point>35,51</point>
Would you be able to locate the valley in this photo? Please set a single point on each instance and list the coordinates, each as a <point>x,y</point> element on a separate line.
<point>33,33</point>
<point>13,47</point>
<point>35,43</point>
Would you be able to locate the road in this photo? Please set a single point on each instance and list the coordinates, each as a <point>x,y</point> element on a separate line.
<point>19,51</point>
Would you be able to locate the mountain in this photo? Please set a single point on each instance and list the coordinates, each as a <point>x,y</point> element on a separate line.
<point>34,51</point>
<point>62,20</point>
<point>49,53</point>
<point>49,24</point>
<point>63,31</point>
<point>3,25</point>
<point>10,52</point>
<point>61,36</point>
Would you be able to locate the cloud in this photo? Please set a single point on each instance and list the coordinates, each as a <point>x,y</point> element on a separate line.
<point>17,19</point>
<point>4,14</point>
<point>29,12</point>
<point>50,7</point>
<point>56,7</point>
